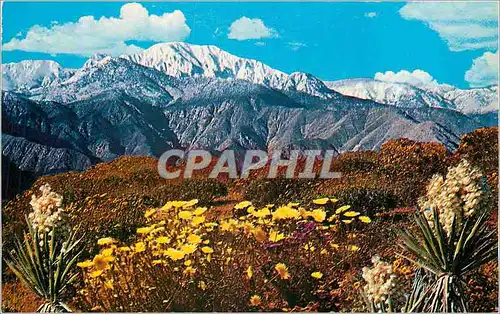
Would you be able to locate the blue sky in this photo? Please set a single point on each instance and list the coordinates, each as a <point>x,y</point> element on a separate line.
<point>453,43</point>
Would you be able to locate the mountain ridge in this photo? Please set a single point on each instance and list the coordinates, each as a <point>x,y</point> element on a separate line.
<point>127,106</point>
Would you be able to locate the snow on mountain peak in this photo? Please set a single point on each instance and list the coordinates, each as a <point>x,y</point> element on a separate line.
<point>390,93</point>
<point>181,59</point>
<point>96,60</point>
<point>476,100</point>
<point>30,74</point>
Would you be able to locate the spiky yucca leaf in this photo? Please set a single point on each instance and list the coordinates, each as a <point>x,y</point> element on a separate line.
<point>448,258</point>
<point>45,265</point>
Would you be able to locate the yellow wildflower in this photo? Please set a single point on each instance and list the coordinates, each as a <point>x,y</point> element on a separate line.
<point>159,261</point>
<point>318,215</point>
<point>150,212</point>
<point>207,249</point>
<point>185,214</point>
<point>334,200</point>
<point>175,254</point>
<point>274,236</point>
<point>107,252</point>
<point>188,262</point>
<point>347,221</point>
<point>96,273</point>
<point>188,248</point>
<point>365,219</point>
<point>249,272</point>
<point>282,271</point>
<point>351,214</point>
<point>292,204</point>
<point>145,230</point>
<point>242,205</point>
<point>108,284</point>
<point>101,262</point>
<point>87,263</point>
<point>342,209</point>
<point>159,229</point>
<point>200,211</point>
<point>163,240</point>
<point>189,271</point>
<point>190,203</point>
<point>321,201</point>
<point>167,206</point>
<point>354,248</point>
<point>178,204</point>
<point>261,213</point>
<point>198,220</point>
<point>285,212</point>
<point>124,248</point>
<point>194,239</point>
<point>106,241</point>
<point>140,247</point>
<point>317,275</point>
<point>255,300</point>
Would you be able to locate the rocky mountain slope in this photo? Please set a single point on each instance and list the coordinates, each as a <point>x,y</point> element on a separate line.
<point>187,96</point>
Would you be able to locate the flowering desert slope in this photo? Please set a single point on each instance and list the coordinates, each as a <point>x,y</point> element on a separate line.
<point>261,244</point>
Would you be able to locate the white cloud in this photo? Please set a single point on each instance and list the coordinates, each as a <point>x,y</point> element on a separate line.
<point>108,35</point>
<point>415,78</point>
<point>245,28</point>
<point>484,70</point>
<point>371,14</point>
<point>463,25</point>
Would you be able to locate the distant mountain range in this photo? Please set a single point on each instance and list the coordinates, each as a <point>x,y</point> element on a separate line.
<point>188,96</point>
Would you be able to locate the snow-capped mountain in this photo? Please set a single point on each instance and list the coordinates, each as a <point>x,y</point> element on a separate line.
<point>468,101</point>
<point>185,60</point>
<point>187,96</point>
<point>30,74</point>
<point>475,100</point>
<point>396,94</point>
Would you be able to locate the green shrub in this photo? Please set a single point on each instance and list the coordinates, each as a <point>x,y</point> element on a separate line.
<point>205,190</point>
<point>280,191</point>
<point>367,201</point>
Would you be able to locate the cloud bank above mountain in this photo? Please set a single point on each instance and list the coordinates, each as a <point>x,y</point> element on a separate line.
<point>415,78</point>
<point>108,35</point>
<point>463,25</point>
<point>246,28</point>
<point>484,70</point>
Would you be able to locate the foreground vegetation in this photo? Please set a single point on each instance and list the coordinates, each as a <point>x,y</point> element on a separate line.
<point>291,245</point>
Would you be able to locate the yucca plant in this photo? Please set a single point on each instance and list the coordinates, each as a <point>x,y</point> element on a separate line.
<point>44,264</point>
<point>446,257</point>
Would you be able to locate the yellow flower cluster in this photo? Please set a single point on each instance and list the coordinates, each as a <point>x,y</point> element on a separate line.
<point>183,247</point>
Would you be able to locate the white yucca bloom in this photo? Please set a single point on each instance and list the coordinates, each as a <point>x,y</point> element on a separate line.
<point>456,196</point>
<point>380,281</point>
<point>47,211</point>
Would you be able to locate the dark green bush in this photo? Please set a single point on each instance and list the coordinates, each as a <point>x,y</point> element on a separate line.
<point>280,191</point>
<point>205,190</point>
<point>368,201</point>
